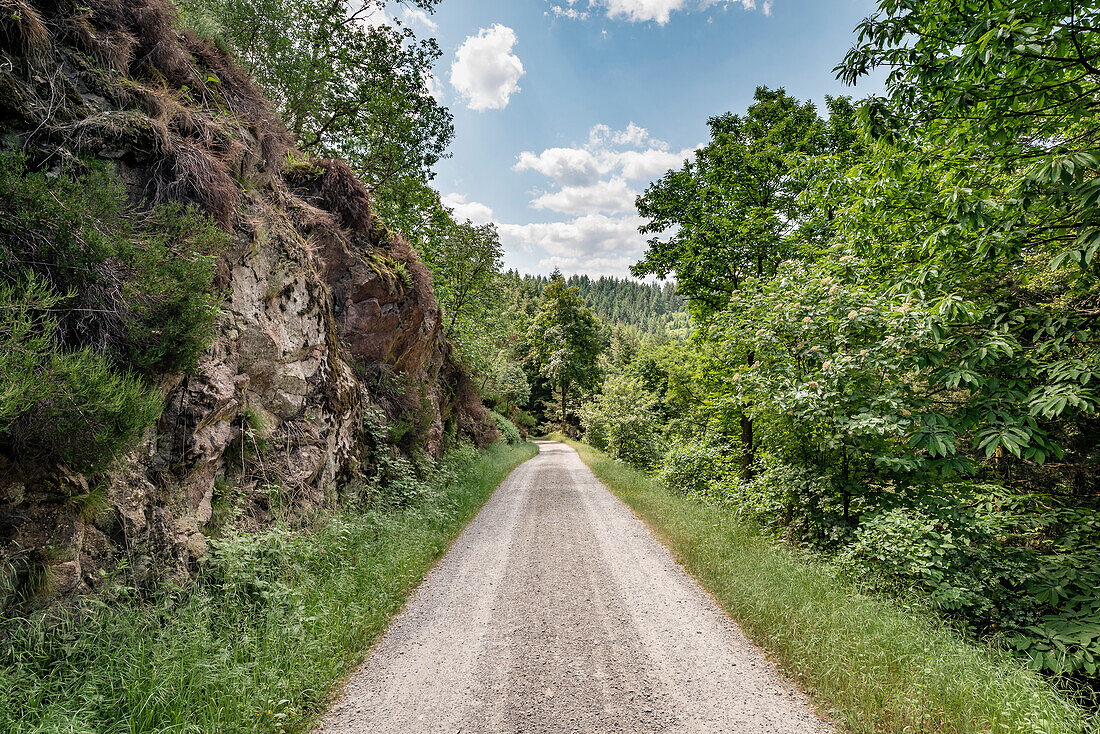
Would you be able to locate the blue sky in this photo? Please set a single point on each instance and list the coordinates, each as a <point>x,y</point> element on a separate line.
<point>560,121</point>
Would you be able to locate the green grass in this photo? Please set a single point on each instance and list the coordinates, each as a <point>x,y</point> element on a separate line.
<point>869,665</point>
<point>258,643</point>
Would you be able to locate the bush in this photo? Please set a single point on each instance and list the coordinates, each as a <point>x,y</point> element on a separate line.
<point>622,421</point>
<point>90,411</point>
<point>976,554</point>
<point>508,430</point>
<point>799,502</point>
<point>97,295</point>
<point>138,282</point>
<point>72,406</point>
<point>524,421</point>
<point>695,468</point>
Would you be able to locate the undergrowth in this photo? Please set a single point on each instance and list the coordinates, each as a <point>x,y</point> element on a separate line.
<point>273,623</point>
<point>97,298</point>
<point>872,666</point>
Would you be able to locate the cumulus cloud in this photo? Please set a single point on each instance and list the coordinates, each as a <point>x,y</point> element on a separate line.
<point>485,71</point>
<point>649,164</point>
<point>612,265</point>
<point>593,185</point>
<point>415,15</point>
<point>475,211</point>
<point>648,11</point>
<point>640,11</point>
<point>568,12</point>
<point>631,153</point>
<point>611,197</point>
<point>574,166</point>
<point>579,237</point>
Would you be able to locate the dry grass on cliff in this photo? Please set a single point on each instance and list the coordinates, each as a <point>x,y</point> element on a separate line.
<point>180,111</point>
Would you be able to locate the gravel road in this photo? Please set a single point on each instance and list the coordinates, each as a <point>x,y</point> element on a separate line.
<point>557,611</point>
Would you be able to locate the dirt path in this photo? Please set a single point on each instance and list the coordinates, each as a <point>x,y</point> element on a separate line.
<point>557,611</point>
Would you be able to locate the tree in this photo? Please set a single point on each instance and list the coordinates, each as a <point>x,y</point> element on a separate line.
<point>465,260</point>
<point>349,83</point>
<point>622,421</point>
<point>565,341</point>
<point>734,210</point>
<point>731,210</point>
<point>983,196</point>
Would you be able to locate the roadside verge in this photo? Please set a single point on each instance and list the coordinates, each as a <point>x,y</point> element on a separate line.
<point>870,665</point>
<point>258,642</point>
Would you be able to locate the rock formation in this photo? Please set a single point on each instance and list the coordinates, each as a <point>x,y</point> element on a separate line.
<point>329,318</point>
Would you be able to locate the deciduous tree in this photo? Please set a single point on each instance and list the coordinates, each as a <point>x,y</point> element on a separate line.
<point>565,341</point>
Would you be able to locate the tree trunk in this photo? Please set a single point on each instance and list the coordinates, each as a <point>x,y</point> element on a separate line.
<point>748,450</point>
<point>847,492</point>
<point>564,403</point>
<point>748,453</point>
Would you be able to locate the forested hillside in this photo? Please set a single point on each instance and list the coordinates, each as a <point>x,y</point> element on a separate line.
<point>651,308</point>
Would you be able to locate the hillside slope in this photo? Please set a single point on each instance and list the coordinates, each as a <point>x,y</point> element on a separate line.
<point>651,308</point>
<point>327,327</point>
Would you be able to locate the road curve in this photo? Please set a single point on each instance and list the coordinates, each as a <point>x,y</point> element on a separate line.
<point>557,611</point>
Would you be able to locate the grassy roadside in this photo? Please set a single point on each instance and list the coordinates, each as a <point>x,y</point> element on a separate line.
<point>257,645</point>
<point>872,667</point>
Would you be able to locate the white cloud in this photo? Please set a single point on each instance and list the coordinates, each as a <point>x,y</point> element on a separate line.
<point>596,184</point>
<point>485,71</point>
<point>641,11</point>
<point>611,197</point>
<point>569,12</point>
<point>635,137</point>
<point>649,164</point>
<point>415,15</point>
<point>613,265</point>
<point>581,237</point>
<point>648,11</point>
<point>476,212</point>
<point>646,157</point>
<point>574,166</point>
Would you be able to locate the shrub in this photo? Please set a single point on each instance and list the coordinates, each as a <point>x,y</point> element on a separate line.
<point>995,563</point>
<point>139,282</point>
<point>508,430</point>
<point>73,406</point>
<point>696,468</point>
<point>389,479</point>
<point>89,413</point>
<point>170,295</point>
<point>97,298</point>
<point>800,502</point>
<point>622,421</point>
<point>524,421</point>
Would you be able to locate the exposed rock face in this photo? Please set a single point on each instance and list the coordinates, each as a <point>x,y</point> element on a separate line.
<point>327,313</point>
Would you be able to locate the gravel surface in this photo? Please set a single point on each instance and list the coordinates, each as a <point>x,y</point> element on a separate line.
<point>557,611</point>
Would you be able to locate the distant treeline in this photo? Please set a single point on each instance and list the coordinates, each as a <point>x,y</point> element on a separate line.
<point>652,308</point>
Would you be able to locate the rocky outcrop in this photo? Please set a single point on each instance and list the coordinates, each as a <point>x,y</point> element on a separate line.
<point>327,314</point>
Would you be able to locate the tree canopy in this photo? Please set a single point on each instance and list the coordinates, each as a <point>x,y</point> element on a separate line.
<point>731,209</point>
